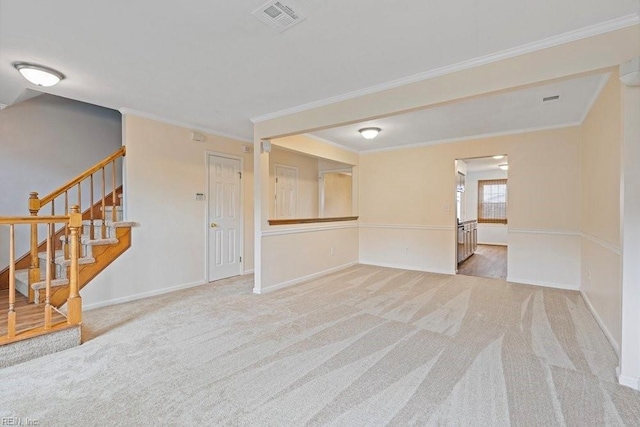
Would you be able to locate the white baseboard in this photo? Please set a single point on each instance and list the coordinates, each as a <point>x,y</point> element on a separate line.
<point>134,297</point>
<point>630,382</point>
<point>605,330</point>
<point>302,279</point>
<point>247,272</point>
<point>563,286</point>
<point>493,243</point>
<point>406,267</point>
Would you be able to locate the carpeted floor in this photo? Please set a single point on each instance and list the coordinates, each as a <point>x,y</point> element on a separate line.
<point>364,346</point>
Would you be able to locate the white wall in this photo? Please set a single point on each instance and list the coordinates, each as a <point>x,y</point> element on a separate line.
<point>45,142</point>
<point>488,234</point>
<point>164,170</point>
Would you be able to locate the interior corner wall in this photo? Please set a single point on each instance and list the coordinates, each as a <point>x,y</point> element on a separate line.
<point>45,142</point>
<point>290,254</point>
<point>600,156</point>
<point>164,170</point>
<point>407,205</point>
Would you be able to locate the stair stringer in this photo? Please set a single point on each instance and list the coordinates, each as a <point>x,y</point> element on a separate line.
<point>104,255</point>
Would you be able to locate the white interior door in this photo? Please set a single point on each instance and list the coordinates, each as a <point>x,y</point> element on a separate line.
<point>225,219</point>
<point>286,191</point>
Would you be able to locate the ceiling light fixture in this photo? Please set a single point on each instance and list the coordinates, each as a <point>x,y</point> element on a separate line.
<point>39,75</point>
<point>504,167</point>
<point>498,156</point>
<point>369,133</point>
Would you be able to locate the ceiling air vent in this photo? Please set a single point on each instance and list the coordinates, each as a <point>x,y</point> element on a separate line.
<point>280,15</point>
<point>551,98</point>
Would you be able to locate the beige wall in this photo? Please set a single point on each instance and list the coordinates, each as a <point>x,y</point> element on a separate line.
<point>600,165</point>
<point>336,194</point>
<point>292,255</point>
<point>163,172</point>
<point>414,189</point>
<point>288,254</point>
<point>307,192</point>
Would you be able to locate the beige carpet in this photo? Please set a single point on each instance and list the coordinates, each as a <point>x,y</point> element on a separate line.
<point>364,346</point>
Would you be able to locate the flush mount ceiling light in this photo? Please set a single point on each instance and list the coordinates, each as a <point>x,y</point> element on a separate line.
<point>504,167</point>
<point>39,75</point>
<point>498,156</point>
<point>369,133</point>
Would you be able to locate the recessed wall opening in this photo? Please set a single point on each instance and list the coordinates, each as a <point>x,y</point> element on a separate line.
<point>482,216</point>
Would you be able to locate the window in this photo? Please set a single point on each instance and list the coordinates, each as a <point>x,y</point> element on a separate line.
<point>492,201</point>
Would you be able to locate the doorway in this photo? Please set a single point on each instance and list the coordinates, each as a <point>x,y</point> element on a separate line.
<point>286,191</point>
<point>224,217</point>
<point>481,215</point>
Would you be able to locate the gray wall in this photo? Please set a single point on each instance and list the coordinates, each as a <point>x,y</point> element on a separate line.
<point>45,142</point>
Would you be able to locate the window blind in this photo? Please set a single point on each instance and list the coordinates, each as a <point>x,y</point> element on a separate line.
<point>492,201</point>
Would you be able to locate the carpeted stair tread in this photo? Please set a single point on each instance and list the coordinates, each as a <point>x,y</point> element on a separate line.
<point>86,240</point>
<point>54,283</point>
<point>59,259</point>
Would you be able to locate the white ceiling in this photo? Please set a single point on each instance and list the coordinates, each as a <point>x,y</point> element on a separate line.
<point>482,164</point>
<point>213,65</point>
<point>502,113</point>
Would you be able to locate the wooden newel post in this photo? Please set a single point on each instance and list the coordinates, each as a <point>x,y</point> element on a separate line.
<point>34,267</point>
<point>74,303</point>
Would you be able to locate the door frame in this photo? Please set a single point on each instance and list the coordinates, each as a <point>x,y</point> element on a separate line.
<point>206,210</point>
<point>275,186</point>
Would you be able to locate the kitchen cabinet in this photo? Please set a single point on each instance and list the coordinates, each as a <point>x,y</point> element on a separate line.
<point>467,239</point>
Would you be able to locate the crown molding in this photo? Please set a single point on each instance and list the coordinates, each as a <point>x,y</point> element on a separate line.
<point>571,36</point>
<point>131,112</point>
<point>603,82</point>
<point>472,137</point>
<point>334,144</point>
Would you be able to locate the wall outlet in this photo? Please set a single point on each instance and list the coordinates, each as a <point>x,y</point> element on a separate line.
<point>199,196</point>
<point>332,251</point>
<point>446,208</point>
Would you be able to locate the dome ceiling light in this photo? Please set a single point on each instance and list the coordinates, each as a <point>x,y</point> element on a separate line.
<point>39,75</point>
<point>369,133</point>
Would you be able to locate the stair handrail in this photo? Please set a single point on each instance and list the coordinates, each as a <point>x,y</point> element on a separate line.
<point>74,302</point>
<point>75,181</point>
<point>36,204</point>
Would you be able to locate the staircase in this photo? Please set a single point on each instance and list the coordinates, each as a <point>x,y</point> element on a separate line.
<point>77,247</point>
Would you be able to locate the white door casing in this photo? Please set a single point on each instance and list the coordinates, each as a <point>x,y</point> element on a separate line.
<point>224,216</point>
<point>286,191</point>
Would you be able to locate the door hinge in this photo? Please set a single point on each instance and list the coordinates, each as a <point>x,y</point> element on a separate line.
<point>240,174</point>
<point>276,180</point>
<point>240,259</point>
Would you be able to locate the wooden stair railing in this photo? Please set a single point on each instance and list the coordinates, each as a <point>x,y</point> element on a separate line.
<point>24,262</point>
<point>86,178</point>
<point>73,222</point>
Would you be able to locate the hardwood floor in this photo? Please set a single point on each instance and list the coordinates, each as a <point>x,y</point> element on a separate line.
<point>488,261</point>
<point>27,315</point>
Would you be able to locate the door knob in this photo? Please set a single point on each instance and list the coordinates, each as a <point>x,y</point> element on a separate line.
<point>214,225</point>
